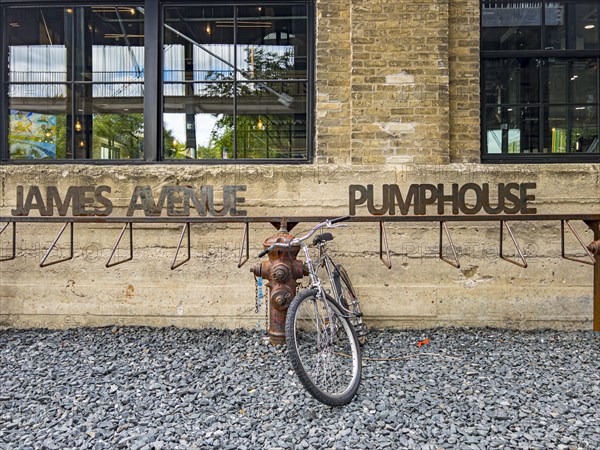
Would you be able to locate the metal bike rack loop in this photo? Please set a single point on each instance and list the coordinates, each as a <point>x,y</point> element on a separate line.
<point>289,222</point>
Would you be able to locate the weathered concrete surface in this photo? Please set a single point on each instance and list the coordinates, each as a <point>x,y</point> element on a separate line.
<point>397,99</point>
<point>419,291</point>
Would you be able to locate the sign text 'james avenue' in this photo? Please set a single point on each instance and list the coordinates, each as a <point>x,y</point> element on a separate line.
<point>94,201</point>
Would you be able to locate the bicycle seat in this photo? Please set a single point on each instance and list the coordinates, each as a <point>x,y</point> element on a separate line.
<point>323,237</point>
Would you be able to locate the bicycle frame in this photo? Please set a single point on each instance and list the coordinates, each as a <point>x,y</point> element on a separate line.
<point>316,283</point>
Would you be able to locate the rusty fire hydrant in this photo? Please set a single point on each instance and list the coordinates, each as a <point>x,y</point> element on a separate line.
<point>281,270</point>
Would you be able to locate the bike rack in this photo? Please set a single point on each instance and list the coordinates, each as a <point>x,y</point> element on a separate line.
<point>112,264</point>
<point>592,260</point>
<point>43,262</point>
<point>175,265</point>
<point>383,238</point>
<point>288,223</point>
<point>246,240</point>
<point>14,240</point>
<point>523,262</point>
<point>456,262</point>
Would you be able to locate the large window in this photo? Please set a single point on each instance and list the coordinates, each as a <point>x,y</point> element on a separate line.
<point>75,82</point>
<point>233,81</point>
<point>540,80</point>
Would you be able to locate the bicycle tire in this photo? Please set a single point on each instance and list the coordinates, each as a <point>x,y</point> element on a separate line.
<point>349,300</point>
<point>323,348</point>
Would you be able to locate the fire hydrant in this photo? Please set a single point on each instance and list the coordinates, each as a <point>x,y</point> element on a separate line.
<point>281,270</point>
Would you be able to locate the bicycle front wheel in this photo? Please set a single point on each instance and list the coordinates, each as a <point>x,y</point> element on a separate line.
<point>323,348</point>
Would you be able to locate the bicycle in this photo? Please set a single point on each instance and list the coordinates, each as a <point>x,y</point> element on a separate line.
<point>323,333</point>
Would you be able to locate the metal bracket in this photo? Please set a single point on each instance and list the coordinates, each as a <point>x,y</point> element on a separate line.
<point>175,265</point>
<point>456,262</point>
<point>592,260</point>
<point>14,240</point>
<point>245,240</point>
<point>383,238</point>
<point>522,264</point>
<point>108,263</point>
<point>43,262</point>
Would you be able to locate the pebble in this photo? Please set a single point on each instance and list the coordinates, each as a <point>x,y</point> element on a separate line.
<point>147,388</point>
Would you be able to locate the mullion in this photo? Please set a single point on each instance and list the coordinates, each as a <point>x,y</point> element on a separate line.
<point>235,87</point>
<point>71,86</point>
<point>4,151</point>
<point>541,89</point>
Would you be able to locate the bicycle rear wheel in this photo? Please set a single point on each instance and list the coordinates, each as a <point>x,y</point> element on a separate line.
<point>349,300</point>
<point>323,348</point>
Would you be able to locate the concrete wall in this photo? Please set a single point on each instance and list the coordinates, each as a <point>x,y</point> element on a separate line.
<point>420,290</point>
<point>397,102</point>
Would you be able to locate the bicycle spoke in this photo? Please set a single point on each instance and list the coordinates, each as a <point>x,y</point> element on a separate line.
<point>321,337</point>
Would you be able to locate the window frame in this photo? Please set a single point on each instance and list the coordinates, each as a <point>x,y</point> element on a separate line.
<point>153,84</point>
<point>541,103</point>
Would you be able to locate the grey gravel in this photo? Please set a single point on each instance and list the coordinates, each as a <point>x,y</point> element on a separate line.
<point>145,388</point>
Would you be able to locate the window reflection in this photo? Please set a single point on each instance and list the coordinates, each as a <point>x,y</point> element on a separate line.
<point>78,72</point>
<point>225,72</point>
<point>541,79</point>
<point>511,26</point>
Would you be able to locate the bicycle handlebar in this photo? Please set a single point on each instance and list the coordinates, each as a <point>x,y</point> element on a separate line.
<point>328,223</point>
<point>265,251</point>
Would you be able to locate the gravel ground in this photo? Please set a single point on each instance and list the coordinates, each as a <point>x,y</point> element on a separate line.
<point>145,388</point>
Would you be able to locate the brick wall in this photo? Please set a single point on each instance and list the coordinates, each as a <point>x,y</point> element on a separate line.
<point>389,88</point>
<point>464,81</point>
<point>333,66</point>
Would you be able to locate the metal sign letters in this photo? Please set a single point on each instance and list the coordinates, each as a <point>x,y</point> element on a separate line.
<point>511,198</point>
<point>93,201</point>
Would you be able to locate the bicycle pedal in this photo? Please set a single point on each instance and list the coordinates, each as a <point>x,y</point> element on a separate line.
<point>361,329</point>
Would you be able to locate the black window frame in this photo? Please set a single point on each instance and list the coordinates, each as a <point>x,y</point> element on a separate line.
<point>541,53</point>
<point>153,84</point>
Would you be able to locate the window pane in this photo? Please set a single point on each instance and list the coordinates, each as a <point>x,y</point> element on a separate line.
<point>110,43</point>
<point>36,45</point>
<point>584,132</point>
<point>583,26</point>
<point>512,130</point>
<point>107,44</point>
<point>556,76</point>
<point>37,121</point>
<point>99,52</point>
<point>199,43</point>
<point>556,126</point>
<point>584,88</point>
<point>571,26</point>
<point>272,120</point>
<point>571,129</point>
<point>555,32</point>
<point>110,123</point>
<point>272,42</point>
<point>212,109</point>
<point>200,124</point>
<point>511,80</point>
<point>511,26</point>
<point>117,135</point>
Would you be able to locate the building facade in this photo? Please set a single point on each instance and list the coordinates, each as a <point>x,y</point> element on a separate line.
<point>292,103</point>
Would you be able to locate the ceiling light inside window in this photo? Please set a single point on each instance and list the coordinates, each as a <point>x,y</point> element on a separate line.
<point>590,27</point>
